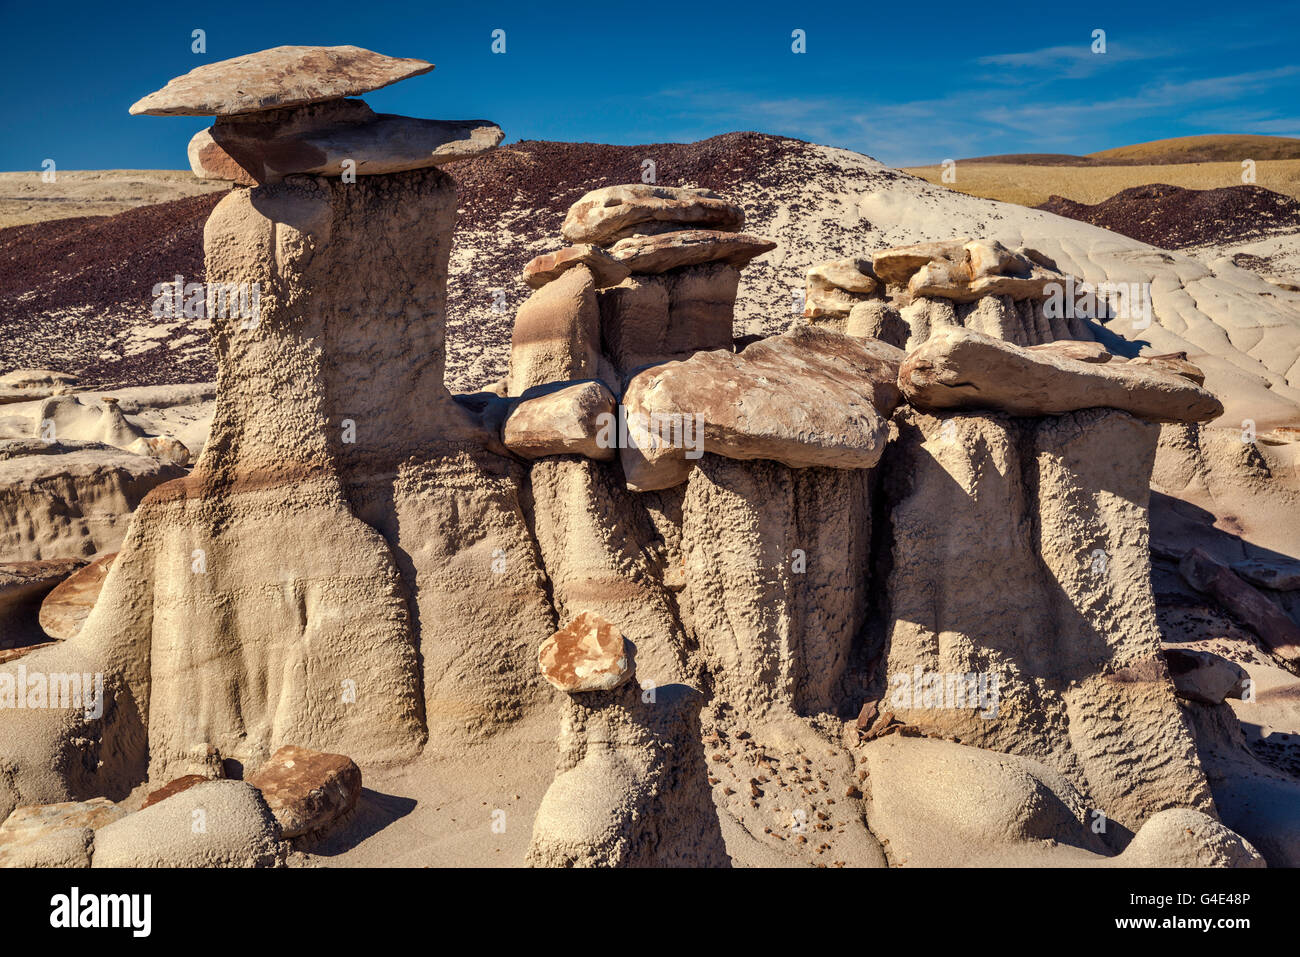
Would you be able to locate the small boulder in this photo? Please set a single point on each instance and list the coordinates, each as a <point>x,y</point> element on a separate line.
<point>54,835</point>
<point>588,654</point>
<point>898,265</point>
<point>834,287</point>
<point>23,587</point>
<point>1205,677</point>
<point>577,419</point>
<point>1279,574</point>
<point>1175,362</point>
<point>307,791</point>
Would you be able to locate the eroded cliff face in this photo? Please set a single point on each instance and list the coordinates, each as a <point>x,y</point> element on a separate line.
<point>1019,552</point>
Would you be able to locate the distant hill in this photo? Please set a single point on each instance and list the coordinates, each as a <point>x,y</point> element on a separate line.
<point>1175,218</point>
<point>1213,148</point>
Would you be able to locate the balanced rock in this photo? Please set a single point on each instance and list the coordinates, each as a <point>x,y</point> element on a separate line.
<point>588,654</point>
<point>605,269</point>
<point>574,419</point>
<point>983,268</point>
<point>688,247</point>
<point>65,608</point>
<point>836,286</point>
<point>1252,607</point>
<point>877,319</point>
<point>1205,677</point>
<point>556,336</point>
<point>896,266</point>
<point>616,212</point>
<point>307,791</point>
<point>957,368</point>
<point>277,78</point>
<point>322,139</point>
<point>811,397</point>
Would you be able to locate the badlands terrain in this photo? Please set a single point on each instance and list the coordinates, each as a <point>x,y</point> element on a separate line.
<point>943,576</point>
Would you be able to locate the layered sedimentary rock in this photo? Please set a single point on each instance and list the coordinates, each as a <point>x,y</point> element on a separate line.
<point>1053,510</point>
<point>607,215</point>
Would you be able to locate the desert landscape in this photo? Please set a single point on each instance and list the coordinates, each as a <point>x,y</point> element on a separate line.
<point>382,493</point>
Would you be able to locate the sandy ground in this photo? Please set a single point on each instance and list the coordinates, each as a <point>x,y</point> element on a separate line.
<point>1031,185</point>
<point>25,198</point>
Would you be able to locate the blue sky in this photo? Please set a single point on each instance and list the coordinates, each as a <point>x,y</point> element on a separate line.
<point>906,83</point>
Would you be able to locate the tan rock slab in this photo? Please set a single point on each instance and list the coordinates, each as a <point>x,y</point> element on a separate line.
<point>811,397</point>
<point>605,269</point>
<point>277,78</point>
<point>65,608</point>
<point>959,368</point>
<point>575,420</point>
<point>688,247</point>
<point>897,265</point>
<point>588,654</point>
<point>606,215</point>
<point>307,791</point>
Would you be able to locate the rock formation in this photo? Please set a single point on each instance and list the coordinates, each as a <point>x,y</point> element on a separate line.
<point>779,594</point>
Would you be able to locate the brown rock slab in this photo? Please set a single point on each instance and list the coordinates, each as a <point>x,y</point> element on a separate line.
<point>173,787</point>
<point>588,654</point>
<point>65,608</point>
<point>320,139</point>
<point>307,791</point>
<point>277,78</point>
<point>1279,574</point>
<point>611,213</point>
<point>556,336</point>
<point>1250,606</point>
<point>605,269</point>
<point>578,419</point>
<point>811,397</point>
<point>958,368</point>
<point>688,247</point>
